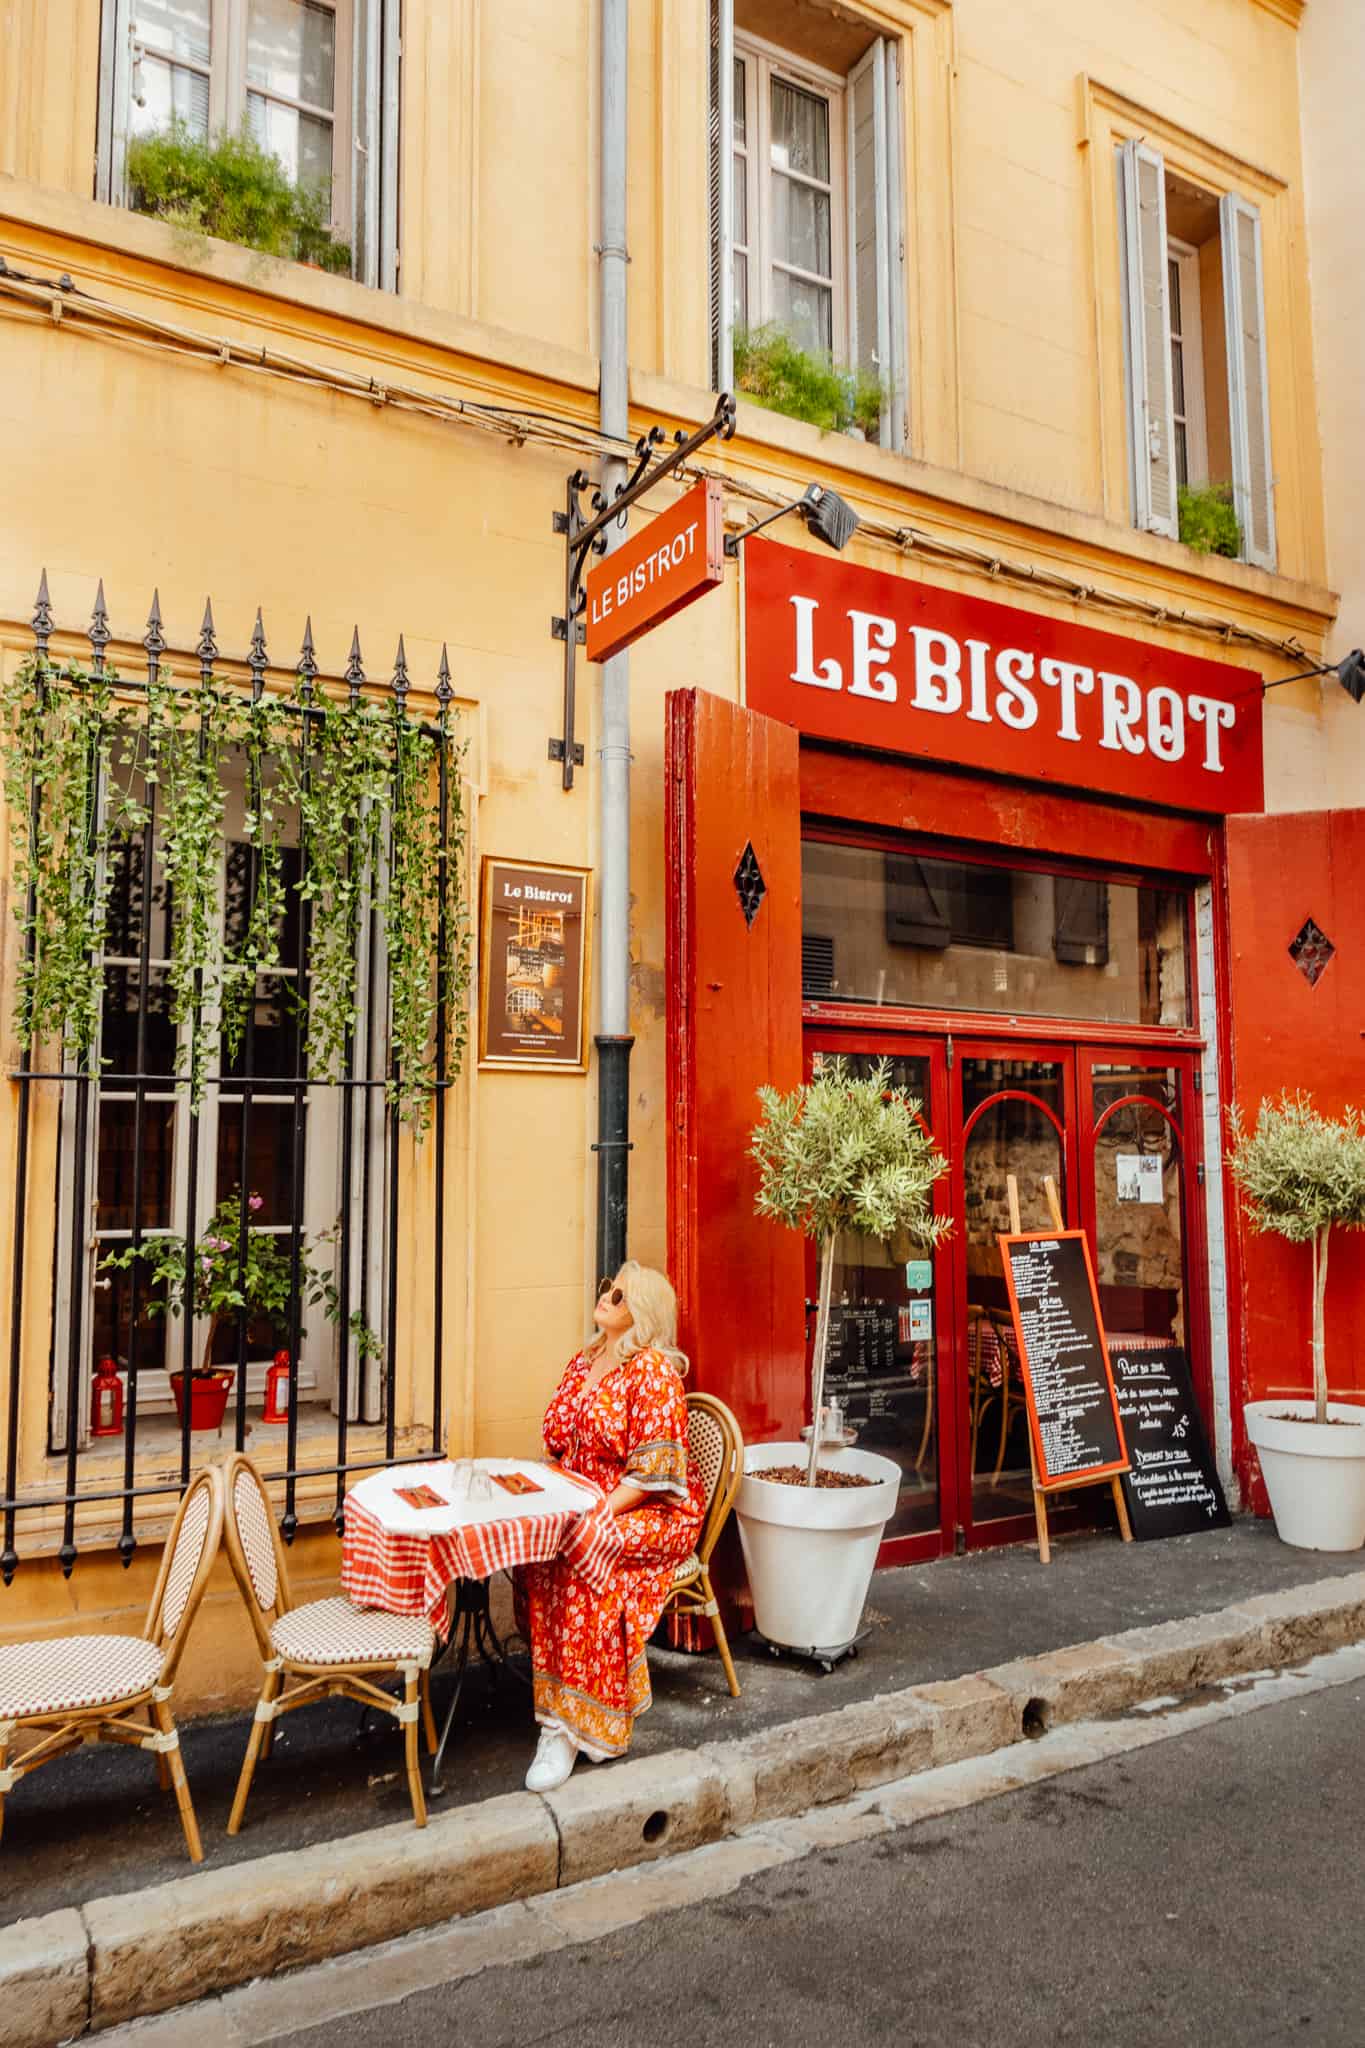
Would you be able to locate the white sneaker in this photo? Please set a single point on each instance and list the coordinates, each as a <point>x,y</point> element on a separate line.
<point>553,1762</point>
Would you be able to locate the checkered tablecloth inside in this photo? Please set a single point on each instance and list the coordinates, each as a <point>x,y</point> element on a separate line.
<point>406,1569</point>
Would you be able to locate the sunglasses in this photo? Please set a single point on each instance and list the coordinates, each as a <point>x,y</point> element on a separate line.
<point>613,1294</point>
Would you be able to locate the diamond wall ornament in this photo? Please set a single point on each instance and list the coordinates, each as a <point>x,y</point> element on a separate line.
<point>749,883</point>
<point>1310,950</point>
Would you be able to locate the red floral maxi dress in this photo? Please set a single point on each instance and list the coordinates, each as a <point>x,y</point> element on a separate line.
<point>588,1648</point>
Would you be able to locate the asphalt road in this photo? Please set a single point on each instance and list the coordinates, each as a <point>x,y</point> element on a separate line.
<point>1208,1890</point>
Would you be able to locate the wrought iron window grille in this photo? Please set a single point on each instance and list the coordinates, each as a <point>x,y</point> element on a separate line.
<point>259,1103</point>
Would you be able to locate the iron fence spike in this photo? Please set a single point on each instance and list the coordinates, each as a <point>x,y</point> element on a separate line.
<point>97,633</point>
<point>207,648</point>
<point>42,615</point>
<point>307,664</point>
<point>444,692</point>
<point>154,640</point>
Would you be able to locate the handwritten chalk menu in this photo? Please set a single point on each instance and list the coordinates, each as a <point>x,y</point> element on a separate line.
<point>1172,1488</point>
<point>1073,1409</point>
<point>870,1370</point>
<point>862,1339</point>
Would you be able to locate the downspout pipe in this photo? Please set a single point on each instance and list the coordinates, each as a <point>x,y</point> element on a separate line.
<point>613,1037</point>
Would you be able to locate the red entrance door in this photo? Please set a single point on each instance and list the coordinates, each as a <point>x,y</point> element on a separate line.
<point>923,1356</point>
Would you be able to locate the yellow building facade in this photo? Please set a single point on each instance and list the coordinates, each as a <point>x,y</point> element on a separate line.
<point>202,419</point>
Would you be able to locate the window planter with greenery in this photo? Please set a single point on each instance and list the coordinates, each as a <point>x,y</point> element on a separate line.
<point>771,370</point>
<point>228,186</point>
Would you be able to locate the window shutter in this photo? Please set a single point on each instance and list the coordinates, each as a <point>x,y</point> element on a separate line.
<point>1080,916</point>
<point>917,913</point>
<point>896,418</point>
<point>875,231</point>
<point>721,192</point>
<point>1248,388</point>
<point>1147,338</point>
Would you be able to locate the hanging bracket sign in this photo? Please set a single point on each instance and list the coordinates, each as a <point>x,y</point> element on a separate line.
<point>678,557</point>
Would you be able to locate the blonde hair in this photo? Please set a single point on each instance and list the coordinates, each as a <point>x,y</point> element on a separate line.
<point>653,1316</point>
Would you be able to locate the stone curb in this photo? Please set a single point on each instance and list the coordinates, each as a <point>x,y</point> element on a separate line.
<point>145,1952</point>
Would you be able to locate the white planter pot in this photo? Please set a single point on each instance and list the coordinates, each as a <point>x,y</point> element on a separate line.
<point>1314,1472</point>
<point>810,1550</point>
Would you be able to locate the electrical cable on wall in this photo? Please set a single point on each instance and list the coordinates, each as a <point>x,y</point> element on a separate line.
<point>60,301</point>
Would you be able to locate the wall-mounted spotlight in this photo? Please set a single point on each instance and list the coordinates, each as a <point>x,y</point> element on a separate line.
<point>1349,672</point>
<point>824,511</point>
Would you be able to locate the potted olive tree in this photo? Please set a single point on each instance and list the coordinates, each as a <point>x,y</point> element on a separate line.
<point>843,1153</point>
<point>1301,1174</point>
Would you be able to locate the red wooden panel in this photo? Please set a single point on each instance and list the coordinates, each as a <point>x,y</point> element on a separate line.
<point>1281,870</point>
<point>734,1022</point>
<point>869,789</point>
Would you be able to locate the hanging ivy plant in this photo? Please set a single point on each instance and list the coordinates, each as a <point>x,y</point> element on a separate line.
<point>263,826</point>
<point>343,790</point>
<point>187,758</point>
<point>80,762</point>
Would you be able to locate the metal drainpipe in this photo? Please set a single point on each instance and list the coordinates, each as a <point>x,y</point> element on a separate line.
<point>613,1039</point>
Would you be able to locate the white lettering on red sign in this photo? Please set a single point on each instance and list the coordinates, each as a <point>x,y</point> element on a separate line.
<point>645,573</point>
<point>946,675</point>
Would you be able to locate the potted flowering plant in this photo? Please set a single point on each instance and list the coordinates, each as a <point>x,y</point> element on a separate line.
<point>1300,1175</point>
<point>843,1153</point>
<point>232,1276</point>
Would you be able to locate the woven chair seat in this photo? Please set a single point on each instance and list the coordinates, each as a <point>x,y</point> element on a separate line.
<point>336,1632</point>
<point>689,1567</point>
<point>66,1672</point>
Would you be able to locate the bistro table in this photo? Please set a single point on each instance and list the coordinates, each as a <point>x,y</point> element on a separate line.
<point>406,1559</point>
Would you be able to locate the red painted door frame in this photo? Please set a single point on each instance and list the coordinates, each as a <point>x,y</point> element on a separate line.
<point>1077,1057</point>
<point>895,1044</point>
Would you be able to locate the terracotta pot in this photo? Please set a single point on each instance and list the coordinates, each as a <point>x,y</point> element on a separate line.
<point>208,1398</point>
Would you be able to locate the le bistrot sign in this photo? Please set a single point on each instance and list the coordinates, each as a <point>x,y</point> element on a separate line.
<point>853,654</point>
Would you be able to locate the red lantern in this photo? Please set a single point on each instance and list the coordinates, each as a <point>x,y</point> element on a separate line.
<point>277,1389</point>
<point>106,1400</point>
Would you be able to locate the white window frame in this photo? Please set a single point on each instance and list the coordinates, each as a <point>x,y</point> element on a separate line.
<point>1189,339</point>
<point>764,62</point>
<point>365,169</point>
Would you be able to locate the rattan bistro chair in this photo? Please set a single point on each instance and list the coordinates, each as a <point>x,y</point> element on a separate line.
<point>716,1448</point>
<point>323,1648</point>
<point>67,1690</point>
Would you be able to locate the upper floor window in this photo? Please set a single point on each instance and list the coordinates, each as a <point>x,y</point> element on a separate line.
<point>807,257</point>
<point>269,122</point>
<point>1195,360</point>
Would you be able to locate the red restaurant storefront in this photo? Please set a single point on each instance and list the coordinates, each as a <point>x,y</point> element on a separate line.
<point>1026,862</point>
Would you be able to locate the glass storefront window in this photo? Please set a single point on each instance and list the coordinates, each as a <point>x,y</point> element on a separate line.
<point>926,933</point>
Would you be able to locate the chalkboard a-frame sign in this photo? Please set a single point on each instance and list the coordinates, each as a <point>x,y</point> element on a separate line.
<point>1073,1408</point>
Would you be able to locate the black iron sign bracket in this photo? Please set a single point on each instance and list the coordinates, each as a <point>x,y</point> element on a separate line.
<point>585,529</point>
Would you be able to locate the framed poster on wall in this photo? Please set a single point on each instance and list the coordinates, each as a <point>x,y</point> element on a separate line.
<point>533,976</point>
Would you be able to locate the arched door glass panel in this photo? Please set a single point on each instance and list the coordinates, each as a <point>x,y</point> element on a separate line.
<point>884,1341</point>
<point>1012,1120</point>
<point>1139,1205</point>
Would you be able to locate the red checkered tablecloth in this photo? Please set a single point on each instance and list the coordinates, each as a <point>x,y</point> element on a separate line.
<point>406,1570</point>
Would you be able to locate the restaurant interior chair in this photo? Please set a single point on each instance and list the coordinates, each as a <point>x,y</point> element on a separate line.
<point>62,1691</point>
<point>323,1648</point>
<point>716,1448</point>
<point>990,1358</point>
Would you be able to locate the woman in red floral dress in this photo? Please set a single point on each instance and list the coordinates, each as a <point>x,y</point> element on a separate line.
<point>619,1418</point>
